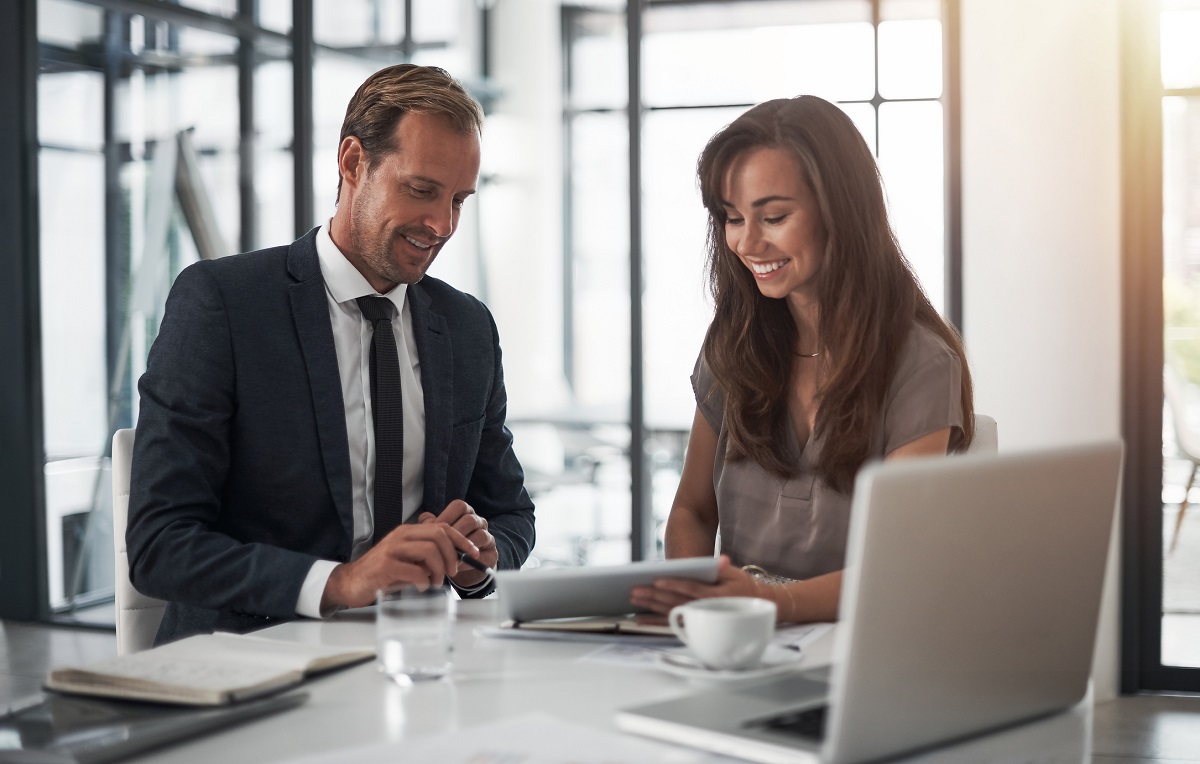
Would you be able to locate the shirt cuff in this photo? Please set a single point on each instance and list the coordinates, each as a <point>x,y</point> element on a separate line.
<point>309,602</point>
<point>486,582</point>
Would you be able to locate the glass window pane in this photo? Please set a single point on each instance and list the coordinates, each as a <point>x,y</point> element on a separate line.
<point>835,61</point>
<point>454,59</point>
<point>275,15</point>
<point>1181,379</point>
<point>911,162</point>
<point>351,23</point>
<point>274,170</point>
<point>436,20</point>
<point>910,59</point>
<point>72,265</point>
<point>600,209</point>
<point>1180,30</point>
<point>598,70</point>
<point>335,78</point>
<point>113,236</point>
<point>227,8</point>
<point>68,24</point>
<point>75,372</point>
<point>863,116</point>
<point>676,303</point>
<point>589,432</point>
<point>71,110</point>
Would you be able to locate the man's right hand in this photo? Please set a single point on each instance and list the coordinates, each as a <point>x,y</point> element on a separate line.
<point>418,555</point>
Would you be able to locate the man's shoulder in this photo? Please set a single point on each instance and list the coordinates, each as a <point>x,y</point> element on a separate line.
<point>244,263</point>
<point>443,297</point>
<point>299,258</point>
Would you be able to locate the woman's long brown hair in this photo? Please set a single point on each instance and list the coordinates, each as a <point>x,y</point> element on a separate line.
<point>868,298</point>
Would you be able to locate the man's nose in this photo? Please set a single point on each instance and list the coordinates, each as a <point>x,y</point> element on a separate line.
<point>441,220</point>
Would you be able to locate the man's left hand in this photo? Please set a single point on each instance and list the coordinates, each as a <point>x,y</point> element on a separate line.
<point>461,517</point>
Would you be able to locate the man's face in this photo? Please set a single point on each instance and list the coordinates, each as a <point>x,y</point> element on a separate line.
<point>400,212</point>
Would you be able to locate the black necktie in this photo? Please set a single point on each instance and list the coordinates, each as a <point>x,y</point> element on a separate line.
<point>387,410</point>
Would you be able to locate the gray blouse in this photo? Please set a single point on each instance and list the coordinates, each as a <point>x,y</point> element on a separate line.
<point>797,527</point>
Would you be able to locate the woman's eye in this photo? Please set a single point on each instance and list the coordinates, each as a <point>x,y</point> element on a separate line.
<point>775,220</point>
<point>733,221</point>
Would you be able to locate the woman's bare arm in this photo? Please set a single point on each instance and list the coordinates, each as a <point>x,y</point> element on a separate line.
<point>692,524</point>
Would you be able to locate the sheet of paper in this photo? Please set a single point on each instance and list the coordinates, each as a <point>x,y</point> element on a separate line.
<point>573,636</point>
<point>621,654</point>
<point>532,739</point>
<point>800,636</point>
<point>792,639</point>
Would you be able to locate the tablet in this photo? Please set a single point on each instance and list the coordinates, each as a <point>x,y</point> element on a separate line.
<point>64,729</point>
<point>530,595</point>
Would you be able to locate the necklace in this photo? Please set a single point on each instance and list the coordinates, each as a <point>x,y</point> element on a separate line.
<point>806,355</point>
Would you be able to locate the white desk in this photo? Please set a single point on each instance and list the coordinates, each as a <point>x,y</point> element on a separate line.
<point>497,679</point>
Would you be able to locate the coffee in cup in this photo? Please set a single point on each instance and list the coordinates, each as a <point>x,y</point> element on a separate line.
<point>725,632</point>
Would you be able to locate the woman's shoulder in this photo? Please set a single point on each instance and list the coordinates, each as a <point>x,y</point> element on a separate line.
<point>923,345</point>
<point>925,353</point>
<point>709,397</point>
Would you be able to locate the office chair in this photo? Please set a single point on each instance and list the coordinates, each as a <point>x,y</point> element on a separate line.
<point>986,439</point>
<point>1187,440</point>
<point>138,616</point>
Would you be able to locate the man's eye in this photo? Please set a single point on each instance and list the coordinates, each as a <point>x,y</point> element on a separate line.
<point>458,203</point>
<point>419,192</point>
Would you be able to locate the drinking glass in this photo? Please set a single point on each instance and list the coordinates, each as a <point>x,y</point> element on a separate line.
<point>414,632</point>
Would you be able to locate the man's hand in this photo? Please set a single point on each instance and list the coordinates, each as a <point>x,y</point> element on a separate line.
<point>418,555</point>
<point>459,516</point>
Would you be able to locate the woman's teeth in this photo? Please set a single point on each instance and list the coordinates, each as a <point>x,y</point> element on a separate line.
<point>768,267</point>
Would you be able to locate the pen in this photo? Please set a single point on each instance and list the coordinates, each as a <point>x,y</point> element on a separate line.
<point>476,564</point>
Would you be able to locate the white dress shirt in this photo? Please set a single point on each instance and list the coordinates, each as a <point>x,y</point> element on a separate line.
<point>352,341</point>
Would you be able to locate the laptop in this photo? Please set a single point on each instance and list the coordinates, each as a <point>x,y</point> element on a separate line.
<point>970,602</point>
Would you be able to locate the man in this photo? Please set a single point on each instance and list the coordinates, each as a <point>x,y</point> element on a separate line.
<point>277,469</point>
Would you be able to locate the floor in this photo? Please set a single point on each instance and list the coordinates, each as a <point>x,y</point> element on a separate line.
<point>1128,730</point>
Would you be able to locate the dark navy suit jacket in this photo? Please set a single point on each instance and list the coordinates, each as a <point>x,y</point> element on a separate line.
<point>241,468</point>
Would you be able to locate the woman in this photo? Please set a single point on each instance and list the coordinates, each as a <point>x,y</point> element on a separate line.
<point>823,353</point>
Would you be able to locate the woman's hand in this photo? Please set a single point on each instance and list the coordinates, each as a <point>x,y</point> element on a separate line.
<point>667,593</point>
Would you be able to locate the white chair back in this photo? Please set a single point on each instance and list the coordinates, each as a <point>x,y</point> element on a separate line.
<point>986,439</point>
<point>138,616</point>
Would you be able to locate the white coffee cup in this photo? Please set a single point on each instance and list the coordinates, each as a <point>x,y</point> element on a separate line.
<point>725,632</point>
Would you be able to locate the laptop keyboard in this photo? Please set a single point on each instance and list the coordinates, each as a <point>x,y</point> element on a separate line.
<point>809,723</point>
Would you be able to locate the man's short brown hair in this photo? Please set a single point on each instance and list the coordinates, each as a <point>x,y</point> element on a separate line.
<point>390,93</point>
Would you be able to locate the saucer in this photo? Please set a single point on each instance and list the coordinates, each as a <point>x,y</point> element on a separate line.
<point>775,661</point>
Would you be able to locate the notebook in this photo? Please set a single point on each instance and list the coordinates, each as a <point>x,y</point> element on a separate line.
<point>970,602</point>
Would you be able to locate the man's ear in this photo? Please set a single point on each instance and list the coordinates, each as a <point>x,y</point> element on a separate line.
<point>352,161</point>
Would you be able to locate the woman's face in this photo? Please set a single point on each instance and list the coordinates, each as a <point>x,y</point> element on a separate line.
<point>773,223</point>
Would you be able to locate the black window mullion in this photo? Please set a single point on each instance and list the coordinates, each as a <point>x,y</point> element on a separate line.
<point>302,110</point>
<point>24,589</point>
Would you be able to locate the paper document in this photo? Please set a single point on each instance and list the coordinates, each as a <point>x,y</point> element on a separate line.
<point>799,636</point>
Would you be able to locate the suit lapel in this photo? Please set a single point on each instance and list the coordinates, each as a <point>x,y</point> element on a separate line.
<point>310,311</point>
<point>436,354</point>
